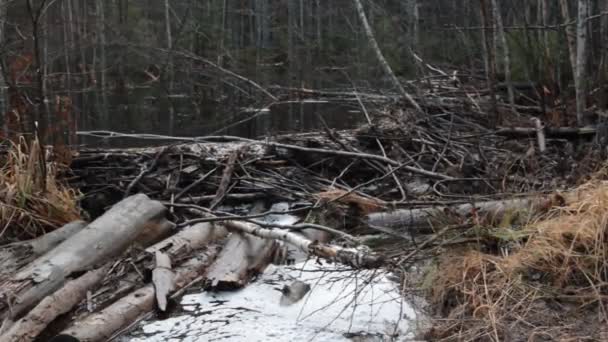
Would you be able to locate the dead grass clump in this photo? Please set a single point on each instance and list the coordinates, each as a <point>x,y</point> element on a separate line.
<point>32,200</point>
<point>554,284</point>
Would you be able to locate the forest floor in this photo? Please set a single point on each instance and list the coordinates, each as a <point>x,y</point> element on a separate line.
<point>502,230</point>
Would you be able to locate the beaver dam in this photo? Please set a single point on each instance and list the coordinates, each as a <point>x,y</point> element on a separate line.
<point>434,226</point>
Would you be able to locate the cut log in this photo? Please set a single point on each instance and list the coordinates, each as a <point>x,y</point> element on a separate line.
<point>242,257</point>
<point>422,219</point>
<point>357,258</point>
<point>15,255</point>
<point>50,240</point>
<point>190,238</point>
<point>51,307</point>
<point>103,325</point>
<point>106,237</point>
<point>162,278</point>
<point>155,231</point>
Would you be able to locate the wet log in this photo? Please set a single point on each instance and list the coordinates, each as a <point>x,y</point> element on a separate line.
<point>357,258</point>
<point>106,237</point>
<point>103,325</point>
<point>51,307</point>
<point>424,219</point>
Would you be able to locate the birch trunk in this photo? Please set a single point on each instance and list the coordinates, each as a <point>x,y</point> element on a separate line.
<point>387,68</point>
<point>360,259</point>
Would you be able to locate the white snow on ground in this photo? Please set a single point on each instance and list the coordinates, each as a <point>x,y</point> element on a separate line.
<point>340,301</point>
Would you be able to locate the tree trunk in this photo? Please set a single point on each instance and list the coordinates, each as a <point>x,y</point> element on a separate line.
<point>101,44</point>
<point>169,76</point>
<point>423,219</point>
<point>580,80</point>
<point>360,259</point>
<point>506,52</point>
<point>490,60</point>
<point>383,63</point>
<point>570,34</point>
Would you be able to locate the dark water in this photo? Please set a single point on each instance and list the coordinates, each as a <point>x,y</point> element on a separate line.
<point>137,111</point>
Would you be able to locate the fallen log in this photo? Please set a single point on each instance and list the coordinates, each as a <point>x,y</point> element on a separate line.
<point>51,307</point>
<point>103,325</point>
<point>106,237</point>
<point>357,258</point>
<point>50,240</point>
<point>154,231</point>
<point>421,219</point>
<point>549,131</point>
<point>189,239</point>
<point>15,255</point>
<point>242,257</point>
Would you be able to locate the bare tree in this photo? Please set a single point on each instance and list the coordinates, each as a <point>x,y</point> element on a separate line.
<point>490,58</point>
<point>505,51</point>
<point>581,61</point>
<point>387,68</point>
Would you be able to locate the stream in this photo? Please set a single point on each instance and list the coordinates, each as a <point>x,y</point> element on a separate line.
<point>340,304</point>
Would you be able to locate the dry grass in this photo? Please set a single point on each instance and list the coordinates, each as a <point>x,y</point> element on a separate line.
<point>552,285</point>
<point>30,206</point>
